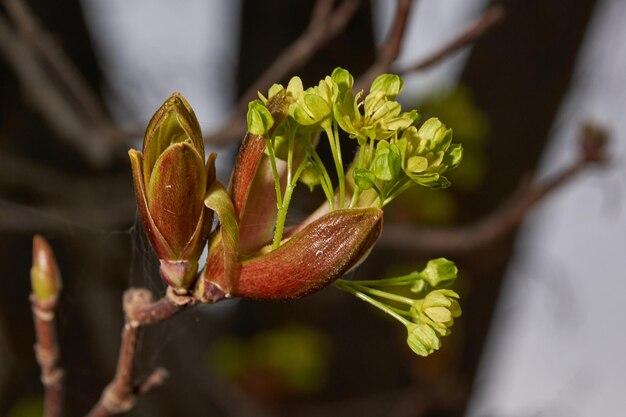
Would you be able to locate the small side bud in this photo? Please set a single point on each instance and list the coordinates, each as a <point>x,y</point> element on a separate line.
<point>45,278</point>
<point>593,142</point>
<point>178,274</point>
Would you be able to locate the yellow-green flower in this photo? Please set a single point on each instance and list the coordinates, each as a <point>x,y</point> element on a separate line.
<point>314,106</point>
<point>438,309</point>
<point>427,153</point>
<point>376,117</point>
<point>422,339</point>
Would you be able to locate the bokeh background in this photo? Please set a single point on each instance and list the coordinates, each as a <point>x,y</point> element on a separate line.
<point>542,331</point>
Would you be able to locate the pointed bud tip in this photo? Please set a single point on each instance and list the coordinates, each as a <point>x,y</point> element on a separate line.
<point>45,276</point>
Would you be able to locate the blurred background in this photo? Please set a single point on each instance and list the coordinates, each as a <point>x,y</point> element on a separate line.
<point>542,331</point>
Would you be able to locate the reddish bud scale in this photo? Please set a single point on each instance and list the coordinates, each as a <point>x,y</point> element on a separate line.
<point>213,274</point>
<point>247,163</point>
<point>253,194</point>
<point>313,258</point>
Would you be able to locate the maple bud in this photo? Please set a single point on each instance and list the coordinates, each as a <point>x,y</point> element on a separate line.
<point>171,178</point>
<point>312,258</point>
<point>45,277</point>
<point>239,264</point>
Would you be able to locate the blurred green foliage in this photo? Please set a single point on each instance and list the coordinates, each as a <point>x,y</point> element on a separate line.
<point>295,355</point>
<point>27,407</point>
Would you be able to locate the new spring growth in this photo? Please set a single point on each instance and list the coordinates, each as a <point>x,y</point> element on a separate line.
<point>251,253</point>
<point>171,179</point>
<point>242,260</point>
<point>415,300</point>
<point>45,278</point>
<point>394,152</point>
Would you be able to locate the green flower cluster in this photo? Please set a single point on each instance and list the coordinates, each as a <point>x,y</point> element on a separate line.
<point>417,301</point>
<point>394,153</point>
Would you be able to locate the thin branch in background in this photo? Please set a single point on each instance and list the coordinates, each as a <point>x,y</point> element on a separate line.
<point>65,202</point>
<point>55,88</point>
<point>504,219</point>
<point>154,380</point>
<point>327,21</point>
<point>42,95</point>
<point>390,49</point>
<point>31,30</point>
<point>471,34</point>
<point>120,395</point>
<point>98,139</point>
<point>301,50</point>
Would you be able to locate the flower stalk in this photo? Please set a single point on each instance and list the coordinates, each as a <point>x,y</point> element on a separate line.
<point>416,301</point>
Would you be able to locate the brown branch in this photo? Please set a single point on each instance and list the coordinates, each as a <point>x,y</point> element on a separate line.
<point>42,94</point>
<point>65,218</point>
<point>47,354</point>
<point>64,202</point>
<point>55,88</point>
<point>390,50</point>
<point>154,380</point>
<point>120,395</point>
<point>504,219</point>
<point>41,41</point>
<point>327,21</point>
<point>473,32</point>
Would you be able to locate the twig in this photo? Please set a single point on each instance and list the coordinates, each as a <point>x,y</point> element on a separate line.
<point>45,280</point>
<point>120,395</point>
<point>154,380</point>
<point>326,23</point>
<point>65,218</point>
<point>504,219</point>
<point>43,96</point>
<point>473,32</point>
<point>40,40</point>
<point>390,50</point>
<point>47,354</point>
<point>55,88</point>
<point>64,202</point>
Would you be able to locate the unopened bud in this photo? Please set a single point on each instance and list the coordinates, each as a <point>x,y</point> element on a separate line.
<point>313,258</point>
<point>45,278</point>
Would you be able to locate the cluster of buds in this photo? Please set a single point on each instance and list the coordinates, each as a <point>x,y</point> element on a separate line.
<point>415,300</point>
<point>251,253</point>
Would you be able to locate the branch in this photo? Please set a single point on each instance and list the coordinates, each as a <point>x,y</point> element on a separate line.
<point>471,34</point>
<point>326,23</point>
<point>47,354</point>
<point>55,88</point>
<point>390,50</point>
<point>41,41</point>
<point>120,395</point>
<point>64,202</point>
<point>154,380</point>
<point>504,219</point>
